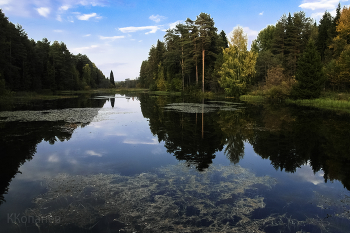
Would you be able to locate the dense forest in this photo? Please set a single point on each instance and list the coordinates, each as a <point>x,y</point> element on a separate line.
<point>26,65</point>
<point>296,57</point>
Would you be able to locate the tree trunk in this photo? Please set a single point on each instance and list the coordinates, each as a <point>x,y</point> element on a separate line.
<point>203,54</point>
<point>195,47</point>
<point>182,69</point>
<point>196,72</point>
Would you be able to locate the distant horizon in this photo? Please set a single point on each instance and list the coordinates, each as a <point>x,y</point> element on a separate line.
<point>118,35</point>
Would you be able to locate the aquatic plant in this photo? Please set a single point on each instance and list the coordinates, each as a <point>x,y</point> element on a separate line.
<point>71,115</point>
<point>173,198</point>
<point>212,106</point>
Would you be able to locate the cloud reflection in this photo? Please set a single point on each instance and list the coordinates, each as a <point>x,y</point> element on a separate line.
<point>137,142</point>
<point>93,153</point>
<point>305,173</point>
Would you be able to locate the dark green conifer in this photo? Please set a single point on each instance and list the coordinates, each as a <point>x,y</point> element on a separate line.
<point>309,74</point>
<point>111,78</point>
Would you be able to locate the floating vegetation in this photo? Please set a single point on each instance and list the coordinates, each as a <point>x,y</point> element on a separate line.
<point>339,205</point>
<point>71,115</point>
<point>172,199</point>
<point>202,108</point>
<point>107,97</point>
<point>225,102</point>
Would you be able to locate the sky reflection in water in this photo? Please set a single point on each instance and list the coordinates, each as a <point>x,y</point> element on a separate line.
<point>123,144</point>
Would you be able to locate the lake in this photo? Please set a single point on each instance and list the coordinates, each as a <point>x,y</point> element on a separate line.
<point>147,163</point>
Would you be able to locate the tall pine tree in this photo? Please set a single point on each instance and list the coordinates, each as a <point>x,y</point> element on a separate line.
<point>111,78</point>
<point>309,74</point>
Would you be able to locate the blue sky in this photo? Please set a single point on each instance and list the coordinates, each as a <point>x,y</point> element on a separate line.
<point>117,34</point>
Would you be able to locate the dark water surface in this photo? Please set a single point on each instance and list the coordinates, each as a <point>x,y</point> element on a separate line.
<point>143,163</point>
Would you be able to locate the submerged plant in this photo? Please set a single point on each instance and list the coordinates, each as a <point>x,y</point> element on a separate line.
<point>174,198</point>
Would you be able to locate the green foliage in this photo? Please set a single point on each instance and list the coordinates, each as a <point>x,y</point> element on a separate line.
<point>238,65</point>
<point>111,78</point>
<point>182,53</point>
<point>27,65</point>
<point>175,85</point>
<point>309,76</point>
<point>3,90</point>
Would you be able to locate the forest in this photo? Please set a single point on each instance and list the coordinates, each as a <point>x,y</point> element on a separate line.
<point>26,65</point>
<point>295,58</point>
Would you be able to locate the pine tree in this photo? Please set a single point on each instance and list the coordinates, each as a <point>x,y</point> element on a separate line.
<point>309,74</point>
<point>111,78</point>
<point>207,31</point>
<point>324,37</point>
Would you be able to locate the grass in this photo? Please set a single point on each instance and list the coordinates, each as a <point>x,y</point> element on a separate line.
<point>252,98</point>
<point>328,100</point>
<point>323,103</point>
<point>34,96</point>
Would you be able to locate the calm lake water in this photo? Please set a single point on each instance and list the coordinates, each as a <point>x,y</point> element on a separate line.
<point>143,163</point>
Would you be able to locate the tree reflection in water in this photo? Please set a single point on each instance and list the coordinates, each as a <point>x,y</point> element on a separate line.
<point>288,136</point>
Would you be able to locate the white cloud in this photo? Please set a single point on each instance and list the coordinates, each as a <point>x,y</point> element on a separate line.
<point>86,35</point>
<point>111,37</point>
<point>173,25</point>
<point>317,15</point>
<point>153,29</point>
<point>319,4</point>
<point>93,153</point>
<point>84,50</point>
<point>4,2</point>
<point>318,7</point>
<point>261,13</point>
<point>59,18</point>
<point>250,32</point>
<point>91,2</point>
<point>43,11</point>
<point>64,8</point>
<point>157,18</point>
<point>86,16</point>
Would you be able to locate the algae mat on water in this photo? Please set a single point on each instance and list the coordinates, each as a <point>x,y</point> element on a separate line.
<point>71,115</point>
<point>171,199</point>
<point>203,108</point>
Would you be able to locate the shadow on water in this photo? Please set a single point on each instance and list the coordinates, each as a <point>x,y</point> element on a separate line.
<point>18,140</point>
<point>175,198</point>
<point>288,136</point>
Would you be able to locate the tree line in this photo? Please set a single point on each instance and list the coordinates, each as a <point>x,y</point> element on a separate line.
<point>26,65</point>
<point>187,57</point>
<point>295,58</point>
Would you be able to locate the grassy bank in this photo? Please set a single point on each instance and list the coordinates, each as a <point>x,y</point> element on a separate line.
<point>27,96</point>
<point>331,104</point>
<point>252,98</point>
<point>327,100</point>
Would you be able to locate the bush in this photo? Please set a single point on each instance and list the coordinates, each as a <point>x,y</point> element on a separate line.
<point>3,90</point>
<point>153,87</point>
<point>175,84</point>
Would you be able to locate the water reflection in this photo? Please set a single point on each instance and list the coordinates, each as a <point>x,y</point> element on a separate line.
<point>142,182</point>
<point>19,140</point>
<point>289,137</point>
